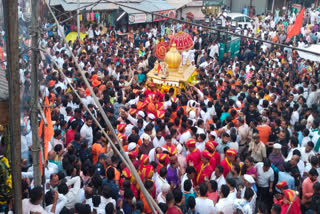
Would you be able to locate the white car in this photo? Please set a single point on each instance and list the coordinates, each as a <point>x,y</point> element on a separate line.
<point>241,19</point>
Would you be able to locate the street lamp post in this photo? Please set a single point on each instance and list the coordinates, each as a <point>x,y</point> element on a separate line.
<point>78,19</point>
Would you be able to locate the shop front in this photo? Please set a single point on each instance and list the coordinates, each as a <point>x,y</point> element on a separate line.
<point>192,11</point>
<point>139,18</point>
<point>168,13</point>
<point>135,18</point>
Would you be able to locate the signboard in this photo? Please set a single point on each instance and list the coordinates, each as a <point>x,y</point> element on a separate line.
<point>295,8</point>
<point>233,46</point>
<point>221,51</point>
<point>169,13</point>
<point>212,3</point>
<point>137,18</point>
<point>190,15</point>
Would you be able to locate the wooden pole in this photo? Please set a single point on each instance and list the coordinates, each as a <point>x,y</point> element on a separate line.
<point>10,9</point>
<point>78,20</point>
<point>34,94</point>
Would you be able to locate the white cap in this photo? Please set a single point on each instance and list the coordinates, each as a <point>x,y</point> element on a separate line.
<point>165,188</point>
<point>277,146</point>
<point>214,134</point>
<point>145,136</point>
<point>238,104</point>
<point>151,116</point>
<point>132,146</point>
<point>179,148</point>
<point>192,114</point>
<point>141,113</point>
<point>249,178</point>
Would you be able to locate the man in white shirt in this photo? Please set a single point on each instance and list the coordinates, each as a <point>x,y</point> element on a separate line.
<point>86,131</point>
<point>305,138</point>
<point>248,181</point>
<point>224,204</point>
<point>161,179</point>
<point>105,199</point>
<point>52,197</point>
<point>223,17</point>
<point>214,49</point>
<point>232,184</point>
<point>190,173</point>
<point>203,204</point>
<point>313,96</point>
<point>201,142</point>
<point>250,66</point>
<point>307,152</point>
<point>159,140</point>
<point>70,193</point>
<point>32,204</point>
<point>217,175</point>
<point>265,180</point>
<point>186,134</point>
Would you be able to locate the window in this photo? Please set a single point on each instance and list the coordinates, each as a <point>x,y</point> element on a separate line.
<point>239,19</point>
<point>247,19</point>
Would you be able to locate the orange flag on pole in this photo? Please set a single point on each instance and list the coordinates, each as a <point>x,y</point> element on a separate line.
<point>47,130</point>
<point>296,28</point>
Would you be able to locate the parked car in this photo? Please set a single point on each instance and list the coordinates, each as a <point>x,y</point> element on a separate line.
<point>241,19</point>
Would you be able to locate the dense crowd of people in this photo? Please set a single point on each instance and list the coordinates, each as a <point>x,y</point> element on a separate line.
<point>244,139</point>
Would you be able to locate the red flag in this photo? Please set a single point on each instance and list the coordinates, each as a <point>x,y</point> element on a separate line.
<point>296,28</point>
<point>47,131</point>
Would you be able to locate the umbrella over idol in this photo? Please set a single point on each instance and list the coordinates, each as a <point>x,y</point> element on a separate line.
<point>182,40</point>
<point>161,49</point>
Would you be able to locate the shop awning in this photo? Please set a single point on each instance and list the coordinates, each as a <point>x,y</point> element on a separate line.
<point>70,6</point>
<point>147,5</point>
<point>178,3</point>
<point>160,7</point>
<point>193,11</point>
<point>309,56</point>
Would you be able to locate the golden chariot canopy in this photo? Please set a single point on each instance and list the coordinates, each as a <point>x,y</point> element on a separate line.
<point>170,72</point>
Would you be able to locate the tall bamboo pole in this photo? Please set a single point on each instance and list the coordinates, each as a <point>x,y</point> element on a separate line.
<point>10,9</point>
<point>34,93</point>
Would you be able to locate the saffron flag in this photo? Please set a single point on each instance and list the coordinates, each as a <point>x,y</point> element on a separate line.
<point>296,28</point>
<point>46,130</point>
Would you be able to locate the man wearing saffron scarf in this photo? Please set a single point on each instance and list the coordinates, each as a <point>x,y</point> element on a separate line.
<point>146,169</point>
<point>226,163</point>
<point>211,149</point>
<point>204,169</point>
<point>291,202</point>
<point>194,156</point>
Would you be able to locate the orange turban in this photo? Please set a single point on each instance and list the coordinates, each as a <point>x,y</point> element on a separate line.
<point>132,111</point>
<point>87,92</point>
<point>209,145</point>
<point>206,154</point>
<point>144,158</point>
<point>231,152</point>
<point>281,184</point>
<point>121,127</point>
<point>172,150</point>
<point>95,83</point>
<point>126,173</point>
<point>191,142</point>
